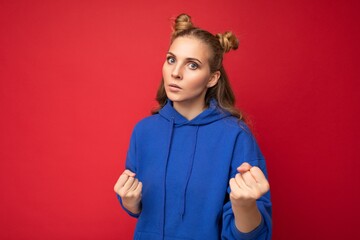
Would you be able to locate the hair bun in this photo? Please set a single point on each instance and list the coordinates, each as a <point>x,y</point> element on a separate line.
<point>182,22</point>
<point>228,41</point>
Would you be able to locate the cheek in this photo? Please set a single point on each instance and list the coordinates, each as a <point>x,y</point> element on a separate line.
<point>199,81</point>
<point>165,71</point>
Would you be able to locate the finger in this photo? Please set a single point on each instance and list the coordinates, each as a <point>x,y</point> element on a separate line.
<point>260,179</point>
<point>134,185</point>
<point>249,179</point>
<point>138,189</point>
<point>121,182</point>
<point>240,181</point>
<point>122,179</point>
<point>234,187</point>
<point>244,167</point>
<point>257,174</point>
<point>129,173</point>
<point>128,183</point>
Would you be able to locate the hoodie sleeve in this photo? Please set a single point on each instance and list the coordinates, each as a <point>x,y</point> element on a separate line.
<point>247,150</point>
<point>131,165</point>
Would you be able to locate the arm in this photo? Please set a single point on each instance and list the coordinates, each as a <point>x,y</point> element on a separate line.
<point>246,187</point>
<point>128,188</point>
<point>261,232</point>
<point>249,219</point>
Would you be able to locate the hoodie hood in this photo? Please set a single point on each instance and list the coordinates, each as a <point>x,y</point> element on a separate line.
<point>211,114</point>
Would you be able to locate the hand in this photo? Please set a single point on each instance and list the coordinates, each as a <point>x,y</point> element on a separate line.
<point>247,186</point>
<point>129,189</point>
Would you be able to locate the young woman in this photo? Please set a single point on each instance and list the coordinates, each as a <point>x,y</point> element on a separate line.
<point>193,169</point>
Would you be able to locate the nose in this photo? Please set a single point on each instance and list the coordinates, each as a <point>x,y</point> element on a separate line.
<point>176,72</point>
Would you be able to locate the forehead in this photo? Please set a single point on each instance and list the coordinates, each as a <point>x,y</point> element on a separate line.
<point>190,47</point>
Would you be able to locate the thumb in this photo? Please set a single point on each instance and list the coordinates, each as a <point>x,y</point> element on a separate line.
<point>244,167</point>
<point>129,173</point>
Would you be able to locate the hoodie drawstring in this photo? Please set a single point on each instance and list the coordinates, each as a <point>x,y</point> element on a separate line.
<point>190,167</point>
<point>172,122</point>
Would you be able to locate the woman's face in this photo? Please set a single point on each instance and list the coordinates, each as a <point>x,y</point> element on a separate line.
<point>186,71</point>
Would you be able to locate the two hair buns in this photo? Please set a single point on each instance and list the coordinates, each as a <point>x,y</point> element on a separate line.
<point>228,40</point>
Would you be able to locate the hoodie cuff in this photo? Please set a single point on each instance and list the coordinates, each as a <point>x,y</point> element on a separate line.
<point>126,210</point>
<point>250,235</point>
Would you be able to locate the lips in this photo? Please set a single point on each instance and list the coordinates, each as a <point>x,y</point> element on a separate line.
<point>174,86</point>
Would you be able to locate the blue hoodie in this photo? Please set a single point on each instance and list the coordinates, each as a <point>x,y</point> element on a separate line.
<point>185,167</point>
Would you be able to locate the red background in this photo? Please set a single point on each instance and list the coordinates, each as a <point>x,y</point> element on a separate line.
<point>77,75</point>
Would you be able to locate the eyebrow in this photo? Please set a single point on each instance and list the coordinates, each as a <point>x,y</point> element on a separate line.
<point>188,59</point>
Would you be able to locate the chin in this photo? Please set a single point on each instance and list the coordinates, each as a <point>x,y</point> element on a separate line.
<point>172,97</point>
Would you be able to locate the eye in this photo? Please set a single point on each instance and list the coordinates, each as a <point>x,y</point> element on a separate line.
<point>170,60</point>
<point>193,66</point>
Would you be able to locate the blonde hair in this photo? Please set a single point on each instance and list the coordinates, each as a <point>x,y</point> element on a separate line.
<point>219,44</point>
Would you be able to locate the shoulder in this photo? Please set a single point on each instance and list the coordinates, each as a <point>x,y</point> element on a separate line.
<point>239,126</point>
<point>148,122</point>
<point>243,134</point>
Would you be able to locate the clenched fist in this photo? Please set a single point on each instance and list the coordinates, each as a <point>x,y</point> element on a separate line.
<point>248,185</point>
<point>129,189</point>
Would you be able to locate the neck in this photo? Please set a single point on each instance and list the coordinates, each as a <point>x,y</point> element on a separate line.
<point>189,110</point>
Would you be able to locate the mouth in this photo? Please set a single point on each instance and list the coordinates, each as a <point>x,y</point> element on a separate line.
<point>174,86</point>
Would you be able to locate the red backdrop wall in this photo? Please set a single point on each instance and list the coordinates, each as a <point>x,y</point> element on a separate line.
<point>77,75</point>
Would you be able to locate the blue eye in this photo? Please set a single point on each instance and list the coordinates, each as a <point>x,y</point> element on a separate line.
<point>170,60</point>
<point>193,66</point>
